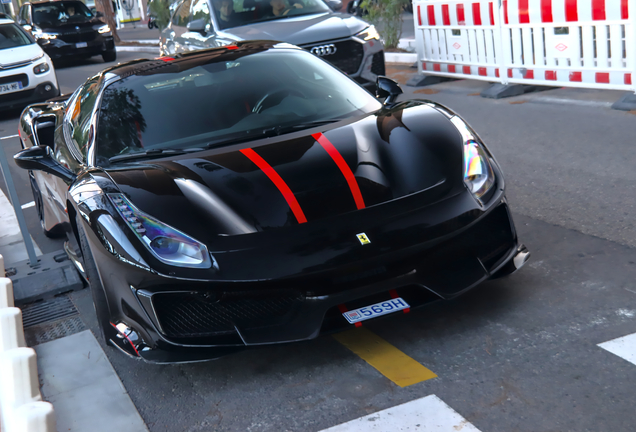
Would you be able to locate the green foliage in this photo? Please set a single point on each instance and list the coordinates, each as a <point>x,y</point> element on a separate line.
<point>160,10</point>
<point>386,15</point>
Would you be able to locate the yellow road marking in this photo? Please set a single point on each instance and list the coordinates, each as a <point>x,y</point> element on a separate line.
<point>387,359</point>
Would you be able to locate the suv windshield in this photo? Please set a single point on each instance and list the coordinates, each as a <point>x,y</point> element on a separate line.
<point>214,104</point>
<point>234,13</point>
<point>60,12</point>
<point>12,36</point>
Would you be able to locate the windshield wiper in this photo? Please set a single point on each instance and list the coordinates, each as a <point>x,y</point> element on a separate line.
<point>278,130</point>
<point>152,153</point>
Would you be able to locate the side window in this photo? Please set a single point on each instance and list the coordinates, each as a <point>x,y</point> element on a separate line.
<point>201,10</point>
<point>181,16</point>
<point>78,115</point>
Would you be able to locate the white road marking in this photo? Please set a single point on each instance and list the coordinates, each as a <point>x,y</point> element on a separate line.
<point>7,137</point>
<point>12,245</point>
<point>28,205</point>
<point>8,222</point>
<point>428,414</point>
<point>624,347</point>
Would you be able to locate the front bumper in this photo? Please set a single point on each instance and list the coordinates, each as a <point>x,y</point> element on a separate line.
<point>57,48</point>
<point>181,321</point>
<point>363,61</point>
<point>36,88</point>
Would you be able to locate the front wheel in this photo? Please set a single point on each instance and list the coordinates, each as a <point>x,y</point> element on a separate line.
<point>109,56</point>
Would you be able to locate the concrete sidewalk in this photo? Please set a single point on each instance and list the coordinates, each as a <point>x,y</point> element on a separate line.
<point>74,372</point>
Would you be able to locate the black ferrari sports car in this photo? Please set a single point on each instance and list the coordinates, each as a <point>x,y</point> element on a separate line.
<point>253,194</point>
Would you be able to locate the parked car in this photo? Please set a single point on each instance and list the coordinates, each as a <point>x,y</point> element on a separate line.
<point>253,194</point>
<point>26,72</point>
<point>347,42</point>
<point>68,29</point>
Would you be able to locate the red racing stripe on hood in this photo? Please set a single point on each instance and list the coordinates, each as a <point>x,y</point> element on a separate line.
<point>278,182</point>
<point>344,168</point>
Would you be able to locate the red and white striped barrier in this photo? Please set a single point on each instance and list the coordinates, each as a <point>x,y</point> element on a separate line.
<point>574,43</point>
<point>21,405</point>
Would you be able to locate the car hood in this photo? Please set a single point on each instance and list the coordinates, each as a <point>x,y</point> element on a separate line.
<point>71,26</point>
<point>20,54</point>
<point>302,30</point>
<point>224,192</point>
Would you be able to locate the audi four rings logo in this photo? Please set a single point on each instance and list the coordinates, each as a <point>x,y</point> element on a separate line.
<point>324,50</point>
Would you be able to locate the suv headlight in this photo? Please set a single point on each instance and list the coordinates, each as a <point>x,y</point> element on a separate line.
<point>105,30</point>
<point>39,34</point>
<point>368,34</point>
<point>479,176</point>
<point>167,244</point>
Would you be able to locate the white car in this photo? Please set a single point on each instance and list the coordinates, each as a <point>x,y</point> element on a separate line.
<point>26,72</point>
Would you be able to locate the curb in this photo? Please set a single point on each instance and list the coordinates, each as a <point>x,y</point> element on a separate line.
<point>409,58</point>
<point>21,405</point>
<point>146,49</point>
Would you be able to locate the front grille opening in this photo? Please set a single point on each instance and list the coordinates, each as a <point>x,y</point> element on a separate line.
<point>348,56</point>
<point>193,314</point>
<point>377,64</point>
<point>414,295</point>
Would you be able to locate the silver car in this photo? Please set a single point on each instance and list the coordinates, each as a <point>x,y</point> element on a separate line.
<point>347,42</point>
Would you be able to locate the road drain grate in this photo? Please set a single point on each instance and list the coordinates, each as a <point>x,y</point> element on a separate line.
<point>48,310</point>
<point>49,331</point>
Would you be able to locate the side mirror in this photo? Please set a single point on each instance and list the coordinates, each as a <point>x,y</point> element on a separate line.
<point>197,25</point>
<point>334,4</point>
<point>387,88</point>
<point>41,158</point>
<point>43,42</point>
<point>98,14</point>
<point>22,22</point>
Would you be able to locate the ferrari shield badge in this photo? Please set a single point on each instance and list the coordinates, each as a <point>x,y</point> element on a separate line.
<point>363,238</point>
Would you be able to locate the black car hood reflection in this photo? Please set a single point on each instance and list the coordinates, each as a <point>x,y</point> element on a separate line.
<point>302,30</point>
<point>392,154</point>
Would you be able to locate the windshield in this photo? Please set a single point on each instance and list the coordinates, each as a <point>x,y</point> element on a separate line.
<point>60,12</point>
<point>234,13</point>
<point>210,105</point>
<point>12,36</point>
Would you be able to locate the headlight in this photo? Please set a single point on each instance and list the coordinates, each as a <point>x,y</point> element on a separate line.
<point>41,68</point>
<point>39,34</point>
<point>167,244</point>
<point>369,33</point>
<point>479,176</point>
<point>103,29</point>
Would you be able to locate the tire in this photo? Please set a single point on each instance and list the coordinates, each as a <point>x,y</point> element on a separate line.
<point>350,7</point>
<point>109,56</point>
<point>96,287</point>
<point>57,231</point>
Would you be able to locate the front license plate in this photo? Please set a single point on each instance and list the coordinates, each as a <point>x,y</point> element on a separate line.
<point>81,45</point>
<point>376,310</point>
<point>10,87</point>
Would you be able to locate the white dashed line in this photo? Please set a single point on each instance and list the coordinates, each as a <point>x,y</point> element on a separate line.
<point>624,347</point>
<point>7,137</point>
<point>28,205</point>
<point>428,414</point>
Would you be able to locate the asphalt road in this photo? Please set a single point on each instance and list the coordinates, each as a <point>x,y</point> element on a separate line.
<point>516,354</point>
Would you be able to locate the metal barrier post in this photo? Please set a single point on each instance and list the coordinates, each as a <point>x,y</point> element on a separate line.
<point>630,40</point>
<point>15,202</point>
